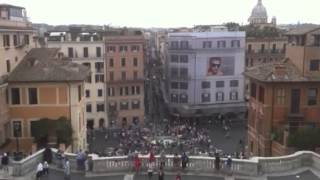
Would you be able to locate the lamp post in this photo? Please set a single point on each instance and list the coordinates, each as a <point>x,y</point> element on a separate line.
<point>16,133</point>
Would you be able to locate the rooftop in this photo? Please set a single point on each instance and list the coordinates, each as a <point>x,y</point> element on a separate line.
<point>301,30</point>
<point>43,65</point>
<point>208,34</point>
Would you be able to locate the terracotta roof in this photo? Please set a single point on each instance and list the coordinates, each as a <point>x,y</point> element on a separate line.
<point>268,73</point>
<point>302,30</point>
<point>41,65</point>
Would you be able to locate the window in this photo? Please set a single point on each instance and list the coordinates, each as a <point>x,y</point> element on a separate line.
<point>111,76</point>
<point>123,75</point>
<point>33,95</point>
<point>284,48</point>
<point>124,105</point>
<point>79,93</point>
<point>88,108</point>
<point>135,62</point>
<point>111,62</point>
<point>6,40</point>
<point>184,44</point>
<point>174,98</point>
<point>184,72</point>
<point>135,75</point>
<point>15,40</point>
<point>174,44</point>
<point>261,94</point>
<point>135,104</point>
<point>87,64</point>
<point>89,79</point>
<point>234,83</point>
<point>205,97</point>
<point>100,107</point>
<point>280,96</point>
<point>17,129</point>
<point>133,90</point>
<point>312,96</point>
<point>121,91</point>
<point>100,92</point>
<point>253,90</point>
<point>126,90</point>
<point>112,106</point>
<point>274,48</point>
<point>233,95</point>
<point>87,93</point>
<point>184,58</point>
<point>8,66</point>
<point>70,52</point>
<point>98,51</point>
<point>138,89</point>
<point>123,48</point>
<point>111,49</point>
<point>123,62</point>
<point>219,96</point>
<point>99,67</point>
<point>26,39</point>
<point>183,85</point>
<point>174,85</point>
<point>221,44</point>
<point>174,72</point>
<point>206,44</point>
<point>205,84</point>
<point>111,91</point>
<point>183,98</point>
<point>314,65</point>
<point>85,52</point>
<point>249,48</point>
<point>220,84</point>
<point>135,48</point>
<point>15,96</point>
<point>99,78</point>
<point>262,48</point>
<point>174,58</point>
<point>235,43</point>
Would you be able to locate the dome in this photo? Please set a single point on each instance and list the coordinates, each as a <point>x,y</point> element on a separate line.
<point>259,13</point>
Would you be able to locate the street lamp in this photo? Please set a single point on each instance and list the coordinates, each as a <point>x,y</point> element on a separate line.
<point>16,133</point>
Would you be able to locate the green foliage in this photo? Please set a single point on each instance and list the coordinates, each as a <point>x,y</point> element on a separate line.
<point>232,26</point>
<point>40,129</point>
<point>257,32</point>
<point>305,139</point>
<point>64,130</point>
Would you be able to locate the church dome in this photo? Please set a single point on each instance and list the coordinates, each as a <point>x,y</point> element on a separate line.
<point>259,14</point>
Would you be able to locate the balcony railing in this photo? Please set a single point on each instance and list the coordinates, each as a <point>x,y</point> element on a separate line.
<point>256,166</point>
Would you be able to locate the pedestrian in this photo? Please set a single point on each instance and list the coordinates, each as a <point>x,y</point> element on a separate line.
<point>150,170</point>
<point>184,160</point>
<point>176,161</point>
<point>152,157</point>
<point>5,162</point>
<point>137,164</point>
<point>39,170</point>
<point>45,168</point>
<point>229,165</point>
<point>217,162</point>
<point>161,174</point>
<point>67,170</point>
<point>178,177</point>
<point>162,159</point>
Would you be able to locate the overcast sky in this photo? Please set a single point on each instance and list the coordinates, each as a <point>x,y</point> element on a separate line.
<point>164,13</point>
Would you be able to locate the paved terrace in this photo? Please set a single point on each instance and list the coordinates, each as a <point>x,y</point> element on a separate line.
<point>303,165</point>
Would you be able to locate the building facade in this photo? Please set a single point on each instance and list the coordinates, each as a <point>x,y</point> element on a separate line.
<point>204,73</point>
<point>86,48</point>
<point>45,86</point>
<point>284,96</point>
<point>125,58</point>
<point>17,38</point>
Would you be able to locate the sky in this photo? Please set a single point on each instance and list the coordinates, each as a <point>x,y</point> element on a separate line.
<point>164,13</point>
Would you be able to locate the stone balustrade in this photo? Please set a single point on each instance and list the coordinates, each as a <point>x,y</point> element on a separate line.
<point>198,165</point>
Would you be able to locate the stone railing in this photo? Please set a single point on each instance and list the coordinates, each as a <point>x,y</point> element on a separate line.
<point>198,165</point>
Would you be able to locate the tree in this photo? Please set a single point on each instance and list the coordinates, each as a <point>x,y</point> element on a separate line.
<point>232,26</point>
<point>305,139</point>
<point>40,130</point>
<point>63,130</point>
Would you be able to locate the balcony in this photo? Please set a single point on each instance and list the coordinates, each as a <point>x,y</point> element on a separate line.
<point>16,24</point>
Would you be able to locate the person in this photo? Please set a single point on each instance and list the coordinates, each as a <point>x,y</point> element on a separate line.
<point>137,164</point>
<point>214,67</point>
<point>229,164</point>
<point>5,162</point>
<point>184,160</point>
<point>178,176</point>
<point>152,157</point>
<point>45,168</point>
<point>217,162</point>
<point>161,174</point>
<point>39,170</point>
<point>176,160</point>
<point>150,170</point>
<point>162,159</point>
<point>67,170</point>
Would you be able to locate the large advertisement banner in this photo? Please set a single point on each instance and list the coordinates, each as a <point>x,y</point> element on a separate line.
<point>221,66</point>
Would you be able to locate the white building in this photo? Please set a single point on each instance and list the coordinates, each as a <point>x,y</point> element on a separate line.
<point>16,39</point>
<point>204,73</point>
<point>86,48</point>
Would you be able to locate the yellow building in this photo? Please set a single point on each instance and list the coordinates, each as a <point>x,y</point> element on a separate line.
<point>45,86</point>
